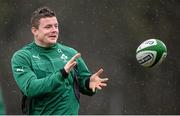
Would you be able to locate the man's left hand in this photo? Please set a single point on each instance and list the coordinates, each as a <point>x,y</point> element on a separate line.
<point>96,81</point>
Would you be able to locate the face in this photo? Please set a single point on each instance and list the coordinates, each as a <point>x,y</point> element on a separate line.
<point>47,33</point>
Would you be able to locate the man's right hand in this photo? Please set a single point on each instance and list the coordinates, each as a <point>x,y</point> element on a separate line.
<point>71,63</point>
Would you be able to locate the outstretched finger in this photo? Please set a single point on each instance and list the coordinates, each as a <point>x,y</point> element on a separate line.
<point>75,57</point>
<point>104,79</point>
<point>73,64</point>
<point>93,89</point>
<point>103,84</point>
<point>99,87</point>
<point>99,72</point>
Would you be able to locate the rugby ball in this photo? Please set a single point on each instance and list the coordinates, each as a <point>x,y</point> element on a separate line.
<point>151,53</point>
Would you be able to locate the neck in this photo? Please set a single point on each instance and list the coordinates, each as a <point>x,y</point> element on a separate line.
<point>43,45</point>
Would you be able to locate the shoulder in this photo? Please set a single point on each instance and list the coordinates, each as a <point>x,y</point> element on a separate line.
<point>24,52</point>
<point>68,49</point>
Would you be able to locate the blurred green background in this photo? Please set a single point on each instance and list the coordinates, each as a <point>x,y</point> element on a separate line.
<point>107,34</point>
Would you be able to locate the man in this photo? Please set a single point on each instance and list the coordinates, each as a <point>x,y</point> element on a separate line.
<point>2,109</point>
<point>50,74</point>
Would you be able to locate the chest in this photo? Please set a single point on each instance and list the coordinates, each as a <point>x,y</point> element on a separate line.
<point>44,64</point>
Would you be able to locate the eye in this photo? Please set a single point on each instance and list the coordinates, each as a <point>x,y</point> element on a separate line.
<point>48,27</point>
<point>56,26</point>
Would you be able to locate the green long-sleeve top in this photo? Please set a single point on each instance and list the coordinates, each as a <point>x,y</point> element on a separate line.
<point>2,108</point>
<point>37,73</point>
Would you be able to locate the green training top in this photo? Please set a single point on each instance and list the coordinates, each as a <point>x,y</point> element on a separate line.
<point>37,73</point>
<point>2,109</point>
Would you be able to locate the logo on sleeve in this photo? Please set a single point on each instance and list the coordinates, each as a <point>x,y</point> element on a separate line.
<point>20,70</point>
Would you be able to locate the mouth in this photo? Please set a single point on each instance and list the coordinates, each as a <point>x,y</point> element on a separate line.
<point>53,36</point>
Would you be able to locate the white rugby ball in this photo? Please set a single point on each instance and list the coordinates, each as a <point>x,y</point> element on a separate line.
<point>151,53</point>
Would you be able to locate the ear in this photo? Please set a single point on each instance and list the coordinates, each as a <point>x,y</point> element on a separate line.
<point>34,30</point>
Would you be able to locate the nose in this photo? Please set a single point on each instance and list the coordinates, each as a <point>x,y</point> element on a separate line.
<point>54,29</point>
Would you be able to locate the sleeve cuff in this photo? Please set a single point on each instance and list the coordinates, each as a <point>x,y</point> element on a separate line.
<point>64,73</point>
<point>87,84</point>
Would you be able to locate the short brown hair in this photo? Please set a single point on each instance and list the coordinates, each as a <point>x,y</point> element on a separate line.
<point>41,12</point>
